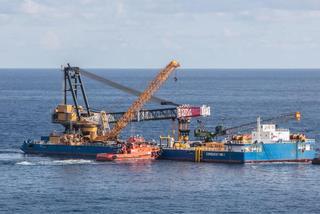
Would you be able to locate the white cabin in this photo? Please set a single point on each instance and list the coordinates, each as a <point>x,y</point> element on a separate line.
<point>268,133</point>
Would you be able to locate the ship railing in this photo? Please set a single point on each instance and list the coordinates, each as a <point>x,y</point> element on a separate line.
<point>202,148</point>
<point>310,140</point>
<point>305,141</point>
<point>282,130</point>
<point>84,144</point>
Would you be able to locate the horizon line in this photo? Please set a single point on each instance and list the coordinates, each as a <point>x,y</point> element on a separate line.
<point>186,68</point>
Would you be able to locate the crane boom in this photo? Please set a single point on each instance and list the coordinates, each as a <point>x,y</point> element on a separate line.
<point>142,99</point>
<point>220,131</point>
<point>283,117</point>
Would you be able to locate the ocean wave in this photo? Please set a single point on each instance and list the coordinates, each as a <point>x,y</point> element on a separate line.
<point>10,156</point>
<point>56,162</point>
<point>11,151</point>
<point>73,161</point>
<point>25,163</point>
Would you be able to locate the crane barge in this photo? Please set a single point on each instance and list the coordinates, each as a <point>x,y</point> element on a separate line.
<point>266,143</point>
<point>87,132</point>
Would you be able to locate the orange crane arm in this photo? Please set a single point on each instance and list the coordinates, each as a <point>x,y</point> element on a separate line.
<point>142,99</point>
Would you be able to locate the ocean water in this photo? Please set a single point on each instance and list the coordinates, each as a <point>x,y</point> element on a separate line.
<point>34,184</point>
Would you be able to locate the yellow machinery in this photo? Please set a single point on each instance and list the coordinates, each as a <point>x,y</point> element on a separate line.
<point>213,146</point>
<point>197,154</point>
<point>65,113</point>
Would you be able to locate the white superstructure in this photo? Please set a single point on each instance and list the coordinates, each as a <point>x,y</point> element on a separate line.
<point>268,133</point>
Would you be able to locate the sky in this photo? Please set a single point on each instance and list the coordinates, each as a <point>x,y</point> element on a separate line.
<point>150,33</point>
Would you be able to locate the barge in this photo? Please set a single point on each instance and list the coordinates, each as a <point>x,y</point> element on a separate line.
<point>265,144</point>
<point>88,150</point>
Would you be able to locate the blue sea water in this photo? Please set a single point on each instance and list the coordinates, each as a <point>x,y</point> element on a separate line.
<point>33,184</point>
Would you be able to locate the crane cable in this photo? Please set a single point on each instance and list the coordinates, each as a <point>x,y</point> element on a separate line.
<point>124,88</point>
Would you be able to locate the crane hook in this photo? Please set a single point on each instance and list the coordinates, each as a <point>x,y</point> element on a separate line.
<point>175,76</point>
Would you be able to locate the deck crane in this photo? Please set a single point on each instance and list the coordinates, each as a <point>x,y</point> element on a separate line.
<point>183,113</point>
<point>138,104</point>
<point>205,135</point>
<point>92,123</point>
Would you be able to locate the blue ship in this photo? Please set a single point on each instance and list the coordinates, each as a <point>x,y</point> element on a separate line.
<point>45,147</point>
<point>246,153</point>
<point>265,144</point>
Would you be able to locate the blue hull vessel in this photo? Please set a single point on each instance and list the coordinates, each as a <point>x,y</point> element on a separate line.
<point>246,153</point>
<point>267,143</point>
<point>86,150</point>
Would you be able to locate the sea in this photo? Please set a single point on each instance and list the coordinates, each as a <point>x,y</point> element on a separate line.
<point>39,184</point>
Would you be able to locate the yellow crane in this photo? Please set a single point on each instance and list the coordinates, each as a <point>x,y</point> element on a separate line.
<point>144,97</point>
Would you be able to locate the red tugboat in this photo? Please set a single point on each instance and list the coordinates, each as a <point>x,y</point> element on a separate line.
<point>136,148</point>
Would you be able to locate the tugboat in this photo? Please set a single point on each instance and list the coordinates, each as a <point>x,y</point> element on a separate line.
<point>136,148</point>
